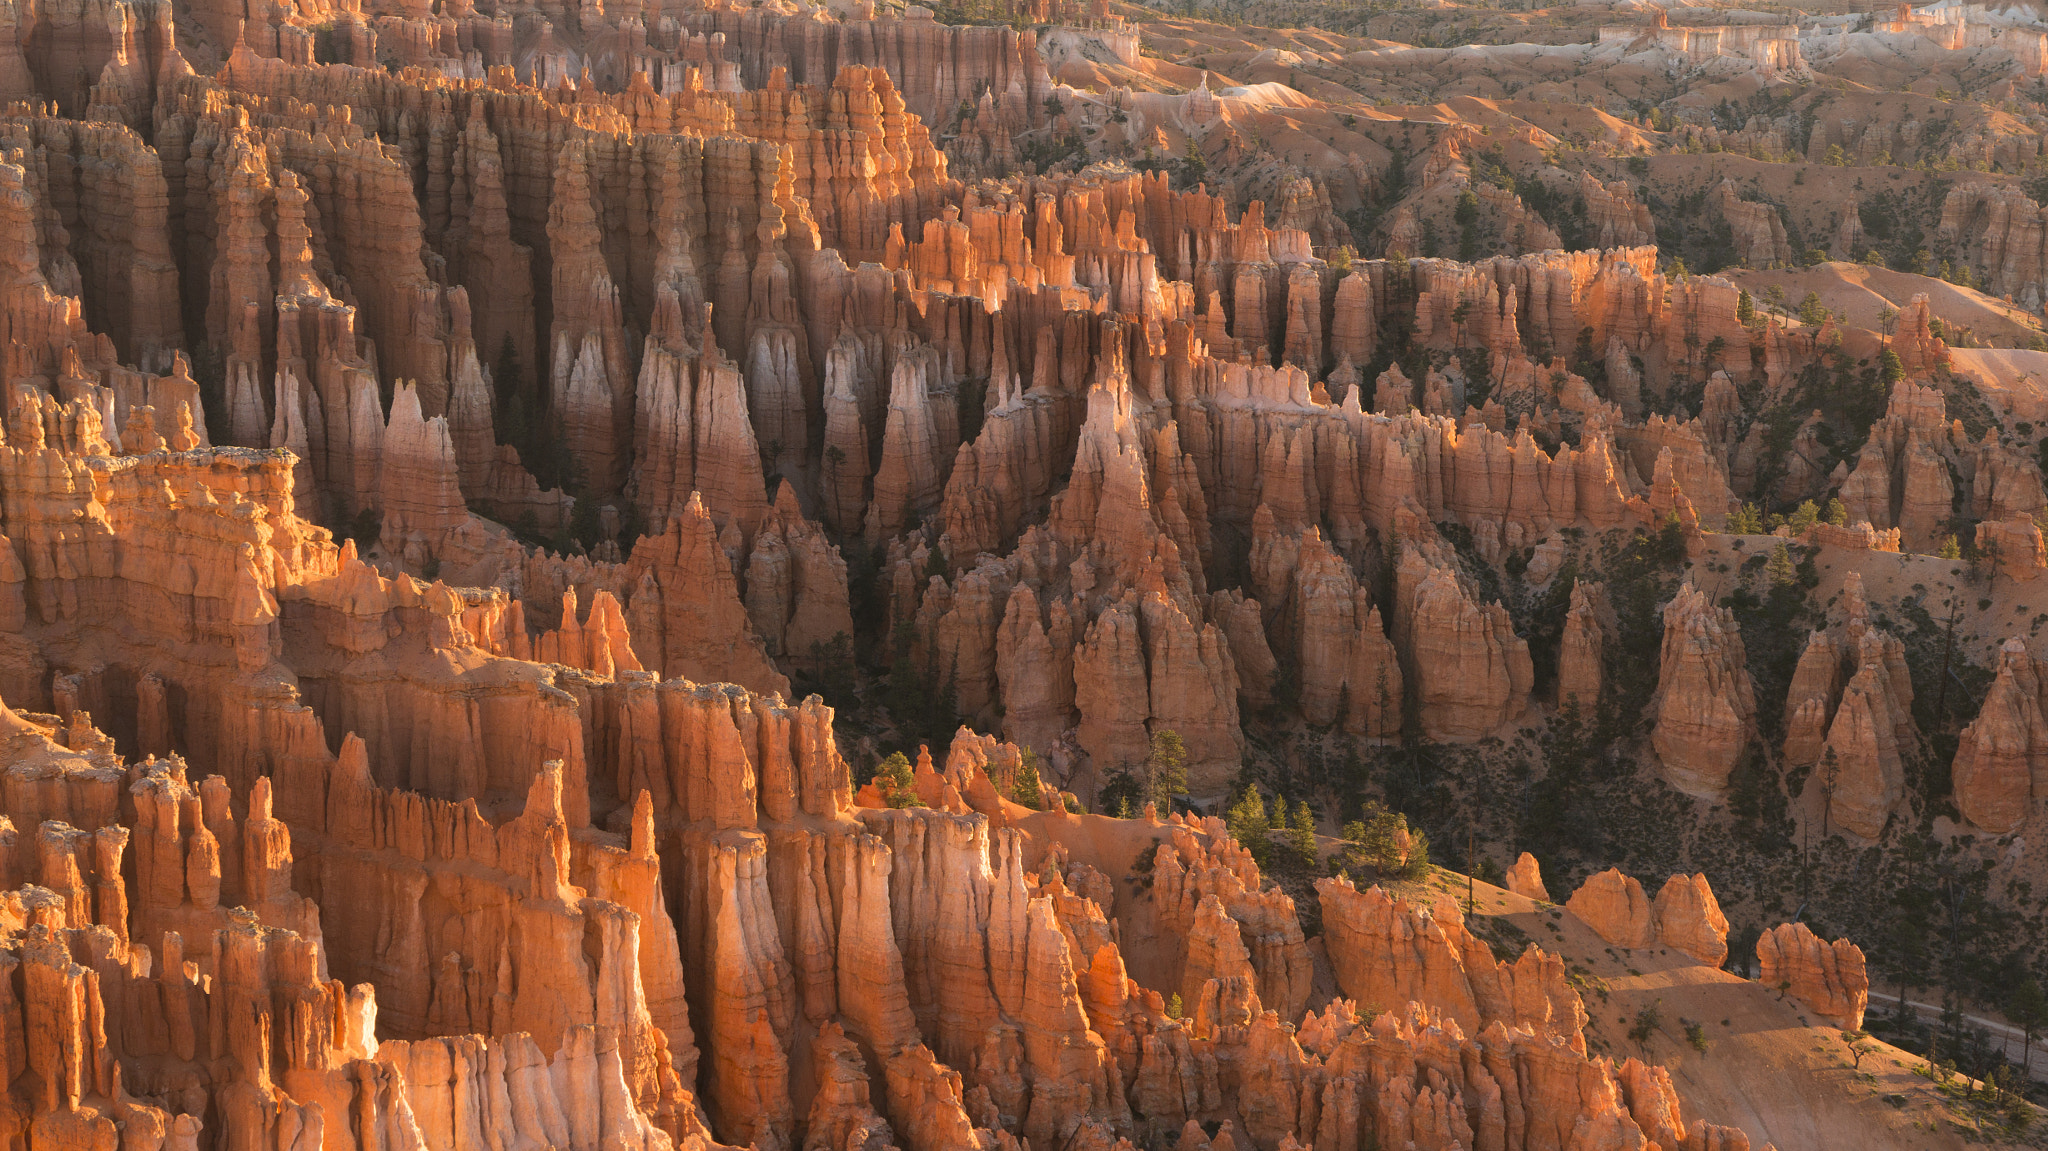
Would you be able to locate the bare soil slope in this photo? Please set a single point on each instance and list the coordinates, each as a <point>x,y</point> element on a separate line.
<point>1767,1069</point>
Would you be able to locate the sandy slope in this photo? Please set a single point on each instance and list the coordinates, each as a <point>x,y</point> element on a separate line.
<point>1769,1069</point>
<point>2012,379</point>
<point>1766,1070</point>
<point>1859,292</point>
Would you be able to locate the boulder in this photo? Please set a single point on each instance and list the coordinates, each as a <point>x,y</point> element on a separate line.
<point>1614,906</point>
<point>1827,979</point>
<point>1706,708</point>
<point>1526,878</point>
<point>1689,919</point>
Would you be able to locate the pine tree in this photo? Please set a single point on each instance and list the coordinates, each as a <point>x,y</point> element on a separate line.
<point>1810,310</point>
<point>1804,517</point>
<point>1025,787</point>
<point>1194,166</point>
<point>1837,515</point>
<point>1416,865</point>
<point>1301,834</point>
<point>1467,216</point>
<point>1383,841</point>
<point>907,693</point>
<point>515,426</point>
<point>1247,822</point>
<point>1780,568</point>
<point>1830,779</point>
<point>2027,1007</point>
<point>1166,772</point>
<point>508,375</point>
<point>1951,550</point>
<point>586,523</point>
<point>898,781</point>
<point>1745,308</point>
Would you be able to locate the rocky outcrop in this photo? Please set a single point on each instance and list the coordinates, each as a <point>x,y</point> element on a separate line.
<point>686,613</point>
<point>1856,727</point>
<point>1348,669</point>
<point>1685,916</point>
<point>1613,212</point>
<point>1903,476</point>
<point>1386,950</point>
<point>1467,669</point>
<point>1760,239</point>
<point>1580,671</point>
<point>1689,919</point>
<point>1216,955</point>
<point>2014,545</point>
<point>2000,752</point>
<point>610,1072</point>
<point>1816,687</point>
<point>504,825</point>
<point>1862,751</point>
<point>1828,979</point>
<point>1189,870</point>
<point>1706,707</point>
<point>796,593</point>
<point>1615,907</point>
<point>1993,226</point>
<point>1525,878</point>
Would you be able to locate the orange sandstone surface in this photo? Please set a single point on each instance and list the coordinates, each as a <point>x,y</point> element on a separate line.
<point>451,456</point>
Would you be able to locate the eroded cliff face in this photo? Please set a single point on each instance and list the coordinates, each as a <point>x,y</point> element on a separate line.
<point>719,287</point>
<point>1706,705</point>
<point>1995,762</point>
<point>655,916</point>
<point>768,334</point>
<point>1385,950</point>
<point>430,494</point>
<point>885,977</point>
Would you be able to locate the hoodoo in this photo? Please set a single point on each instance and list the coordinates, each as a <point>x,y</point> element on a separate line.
<point>1056,574</point>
